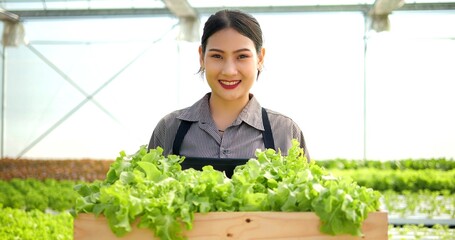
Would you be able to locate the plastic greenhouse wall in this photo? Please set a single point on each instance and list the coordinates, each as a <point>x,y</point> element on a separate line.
<point>89,88</point>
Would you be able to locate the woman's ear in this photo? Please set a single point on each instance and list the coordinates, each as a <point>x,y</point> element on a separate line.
<point>201,57</point>
<point>261,58</point>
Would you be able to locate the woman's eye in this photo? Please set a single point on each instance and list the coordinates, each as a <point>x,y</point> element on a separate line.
<point>216,56</point>
<point>243,56</point>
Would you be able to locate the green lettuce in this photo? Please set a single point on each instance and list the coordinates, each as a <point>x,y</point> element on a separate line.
<point>154,189</point>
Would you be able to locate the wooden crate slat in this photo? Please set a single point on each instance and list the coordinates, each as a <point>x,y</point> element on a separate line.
<point>239,225</point>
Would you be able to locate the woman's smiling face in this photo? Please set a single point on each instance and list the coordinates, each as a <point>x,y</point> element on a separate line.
<point>231,64</point>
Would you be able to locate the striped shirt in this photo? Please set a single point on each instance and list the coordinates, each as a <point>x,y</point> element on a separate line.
<point>240,140</point>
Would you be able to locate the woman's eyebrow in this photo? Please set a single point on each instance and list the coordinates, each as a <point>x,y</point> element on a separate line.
<point>236,51</point>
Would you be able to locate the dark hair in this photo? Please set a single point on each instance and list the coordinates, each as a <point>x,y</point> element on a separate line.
<point>242,22</point>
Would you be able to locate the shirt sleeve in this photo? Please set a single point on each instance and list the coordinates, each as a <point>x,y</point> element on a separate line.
<point>284,130</point>
<point>301,140</point>
<point>158,135</point>
<point>164,133</point>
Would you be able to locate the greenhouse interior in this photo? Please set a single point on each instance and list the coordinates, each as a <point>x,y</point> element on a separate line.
<point>88,84</point>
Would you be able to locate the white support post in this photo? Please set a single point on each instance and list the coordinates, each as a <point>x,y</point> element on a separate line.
<point>379,14</point>
<point>188,19</point>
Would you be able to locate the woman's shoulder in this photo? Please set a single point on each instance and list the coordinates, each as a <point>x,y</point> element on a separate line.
<point>282,121</point>
<point>190,113</point>
<point>174,115</point>
<point>278,115</point>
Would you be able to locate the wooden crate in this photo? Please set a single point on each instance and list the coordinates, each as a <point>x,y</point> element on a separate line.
<point>239,225</point>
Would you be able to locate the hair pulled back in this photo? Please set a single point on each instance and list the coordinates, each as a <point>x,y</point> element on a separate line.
<point>242,22</point>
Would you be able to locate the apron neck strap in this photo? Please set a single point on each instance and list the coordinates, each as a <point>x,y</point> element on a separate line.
<point>185,126</point>
<point>267,134</point>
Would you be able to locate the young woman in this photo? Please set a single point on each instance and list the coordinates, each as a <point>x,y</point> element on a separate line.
<point>228,125</point>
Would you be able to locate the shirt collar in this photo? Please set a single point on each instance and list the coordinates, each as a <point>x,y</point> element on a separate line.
<point>200,111</point>
<point>251,114</point>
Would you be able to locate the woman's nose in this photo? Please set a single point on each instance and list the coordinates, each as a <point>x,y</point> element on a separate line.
<point>229,68</point>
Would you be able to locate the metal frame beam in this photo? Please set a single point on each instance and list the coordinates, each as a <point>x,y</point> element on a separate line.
<point>334,8</point>
<point>8,16</point>
<point>94,13</point>
<point>147,12</point>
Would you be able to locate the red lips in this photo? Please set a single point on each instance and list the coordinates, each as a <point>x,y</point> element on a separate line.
<point>231,84</point>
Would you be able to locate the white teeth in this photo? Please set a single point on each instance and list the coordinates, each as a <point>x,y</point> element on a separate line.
<point>229,82</point>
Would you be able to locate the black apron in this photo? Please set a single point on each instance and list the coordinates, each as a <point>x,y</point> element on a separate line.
<point>222,164</point>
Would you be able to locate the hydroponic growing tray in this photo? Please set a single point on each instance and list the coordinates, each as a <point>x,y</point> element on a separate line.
<point>239,225</point>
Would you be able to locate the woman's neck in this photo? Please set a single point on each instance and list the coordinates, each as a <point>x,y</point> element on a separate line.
<point>224,112</point>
